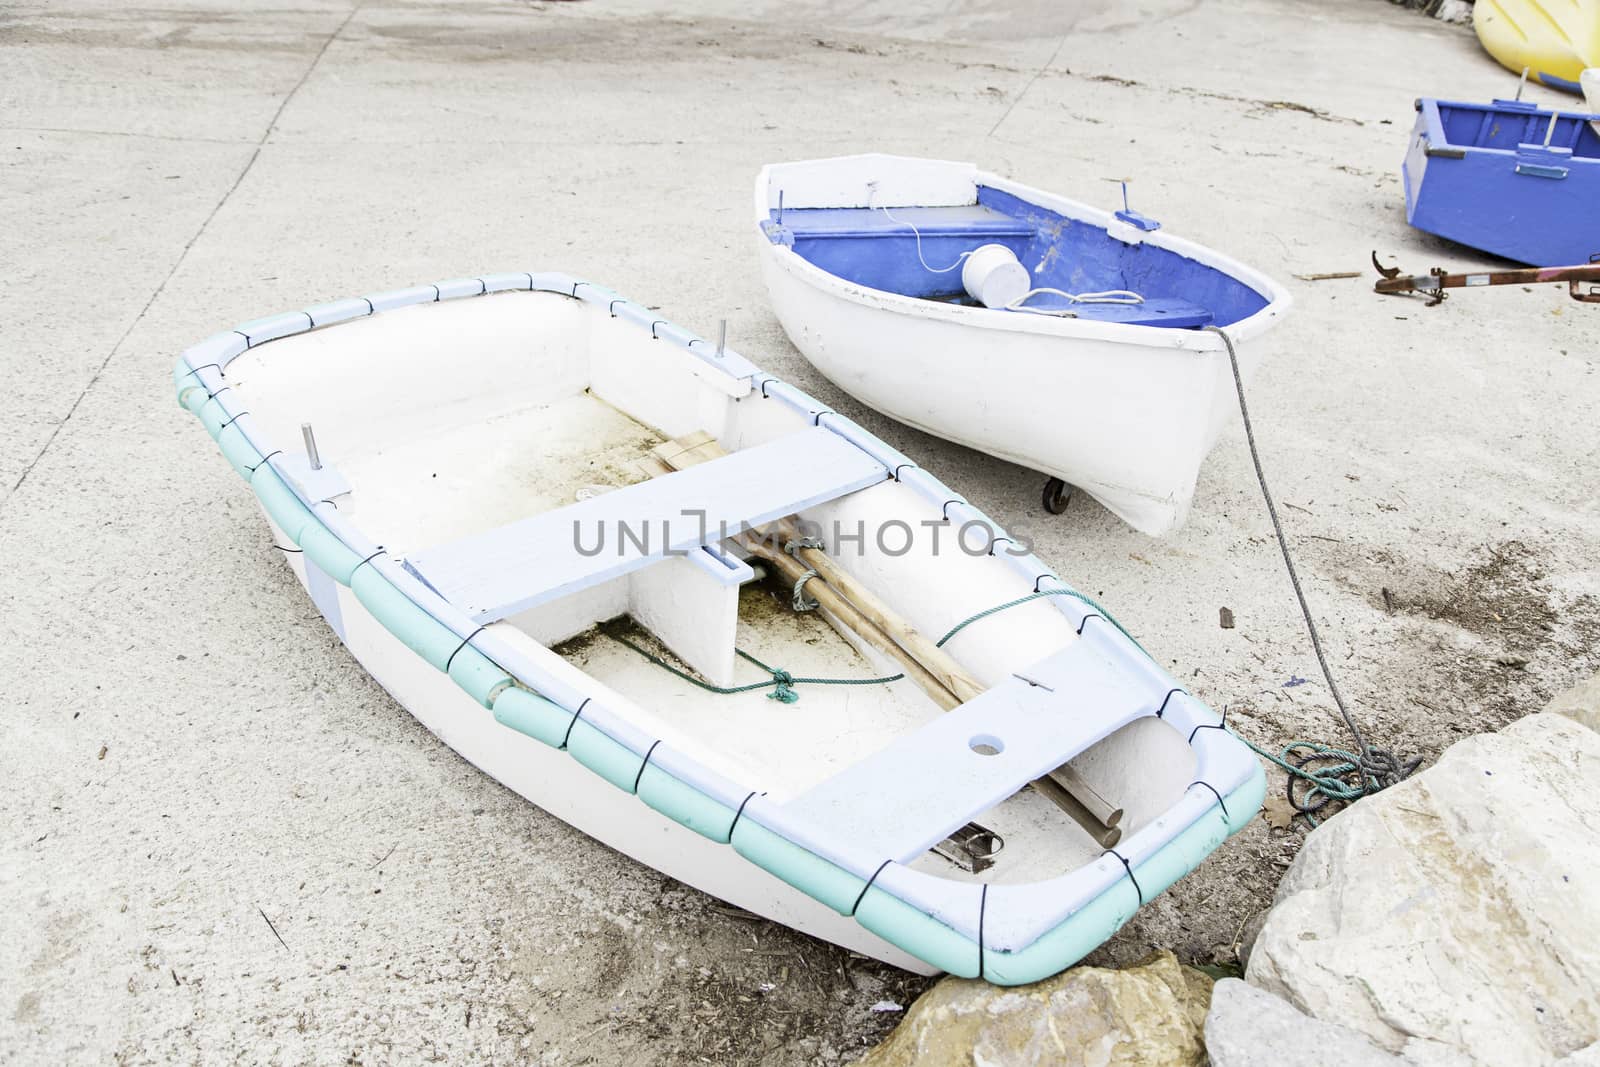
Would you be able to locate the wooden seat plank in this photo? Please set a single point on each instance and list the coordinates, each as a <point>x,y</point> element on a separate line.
<point>908,796</point>
<point>500,572</point>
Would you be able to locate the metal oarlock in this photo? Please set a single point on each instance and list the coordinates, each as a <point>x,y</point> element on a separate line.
<point>311,446</point>
<point>972,848</point>
<point>1435,282</point>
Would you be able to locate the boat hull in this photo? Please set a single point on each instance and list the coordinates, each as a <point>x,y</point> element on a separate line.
<point>1124,413</point>
<point>1128,423</point>
<point>551,779</point>
<point>827,832</point>
<point>1481,175</point>
<point>1554,43</point>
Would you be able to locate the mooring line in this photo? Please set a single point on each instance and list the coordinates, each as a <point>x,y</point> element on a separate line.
<point>1378,768</point>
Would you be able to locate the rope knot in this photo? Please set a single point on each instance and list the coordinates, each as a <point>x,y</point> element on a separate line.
<point>794,545</point>
<point>1320,775</point>
<point>1387,769</point>
<point>800,601</point>
<point>782,687</point>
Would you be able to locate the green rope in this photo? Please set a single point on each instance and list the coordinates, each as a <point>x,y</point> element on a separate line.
<point>782,682</point>
<point>1067,591</point>
<point>1326,774</point>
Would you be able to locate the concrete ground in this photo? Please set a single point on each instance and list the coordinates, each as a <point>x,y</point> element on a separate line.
<point>222,841</point>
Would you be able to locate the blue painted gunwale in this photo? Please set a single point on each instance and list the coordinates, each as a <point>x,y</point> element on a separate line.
<point>1008,934</point>
<point>1480,174</point>
<point>867,247</point>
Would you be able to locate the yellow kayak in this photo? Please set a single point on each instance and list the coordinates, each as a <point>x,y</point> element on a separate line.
<point>1554,39</point>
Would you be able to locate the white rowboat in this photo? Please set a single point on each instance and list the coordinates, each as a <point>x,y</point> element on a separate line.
<point>472,442</point>
<point>1121,392</point>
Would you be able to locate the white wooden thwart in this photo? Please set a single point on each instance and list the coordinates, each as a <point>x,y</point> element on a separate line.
<point>910,795</point>
<point>503,571</point>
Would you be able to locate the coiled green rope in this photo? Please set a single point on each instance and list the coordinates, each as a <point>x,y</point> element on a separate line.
<point>1322,784</point>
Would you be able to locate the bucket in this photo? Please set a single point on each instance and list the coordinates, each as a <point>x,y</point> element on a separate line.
<point>994,278</point>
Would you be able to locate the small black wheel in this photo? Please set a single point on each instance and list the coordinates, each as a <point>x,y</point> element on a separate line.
<point>1057,495</point>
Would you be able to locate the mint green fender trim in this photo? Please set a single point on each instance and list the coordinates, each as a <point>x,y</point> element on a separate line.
<point>1202,837</point>
<point>611,760</point>
<point>212,417</point>
<point>480,676</point>
<point>685,804</point>
<point>193,397</point>
<point>184,382</point>
<point>1078,935</point>
<point>531,714</point>
<point>337,559</point>
<point>782,858</point>
<point>1087,928</point>
<point>1244,802</point>
<point>238,450</point>
<point>287,512</point>
<point>1182,854</point>
<point>416,629</point>
<point>918,933</point>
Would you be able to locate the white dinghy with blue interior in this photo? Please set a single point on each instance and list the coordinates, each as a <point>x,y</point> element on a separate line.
<point>1035,328</point>
<point>571,538</point>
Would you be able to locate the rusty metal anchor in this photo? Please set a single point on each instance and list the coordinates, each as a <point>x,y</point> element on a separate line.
<point>1583,281</point>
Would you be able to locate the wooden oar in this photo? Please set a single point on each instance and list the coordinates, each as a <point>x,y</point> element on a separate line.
<point>945,681</point>
<point>686,452</point>
<point>1063,785</point>
<point>700,446</point>
<point>951,675</point>
<point>829,597</point>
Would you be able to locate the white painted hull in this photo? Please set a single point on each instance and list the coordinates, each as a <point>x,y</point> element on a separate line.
<point>1125,413</point>
<point>552,780</point>
<point>820,815</point>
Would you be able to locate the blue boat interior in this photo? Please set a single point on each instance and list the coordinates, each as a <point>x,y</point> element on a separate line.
<point>1505,124</point>
<point>871,247</point>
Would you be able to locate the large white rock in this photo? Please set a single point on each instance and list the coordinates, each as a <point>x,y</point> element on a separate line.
<point>1249,1027</point>
<point>1581,703</point>
<point>1455,918</point>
